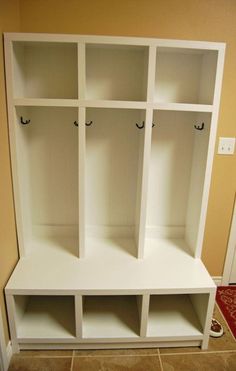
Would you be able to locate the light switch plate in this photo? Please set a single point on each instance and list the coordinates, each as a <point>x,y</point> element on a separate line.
<point>226,146</point>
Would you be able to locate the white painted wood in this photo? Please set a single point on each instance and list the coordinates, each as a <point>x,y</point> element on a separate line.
<point>170,168</point>
<point>142,210</point>
<point>81,180</point>
<point>109,192</point>
<point>122,77</point>
<point>78,315</point>
<point>229,274</point>
<point>110,317</point>
<point>45,70</point>
<point>184,44</point>
<point>144,343</point>
<point>35,102</point>
<point>166,265</point>
<point>210,309</point>
<point>11,311</point>
<point>211,147</point>
<point>183,107</point>
<point>198,169</point>
<point>143,315</point>
<point>5,350</point>
<point>178,75</point>
<point>46,317</point>
<point>171,316</point>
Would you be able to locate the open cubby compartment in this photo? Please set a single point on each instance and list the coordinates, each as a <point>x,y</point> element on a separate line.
<point>46,178</point>
<point>110,317</point>
<point>176,180</point>
<point>116,72</point>
<point>44,317</point>
<point>177,316</point>
<point>185,75</point>
<point>114,147</point>
<point>45,70</point>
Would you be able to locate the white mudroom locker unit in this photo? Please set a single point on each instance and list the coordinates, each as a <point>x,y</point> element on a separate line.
<point>112,142</point>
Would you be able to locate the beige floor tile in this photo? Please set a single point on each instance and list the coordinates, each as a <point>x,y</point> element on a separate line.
<point>40,364</point>
<point>122,363</point>
<point>199,362</point>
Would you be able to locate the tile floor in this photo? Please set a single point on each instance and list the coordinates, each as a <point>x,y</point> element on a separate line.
<point>220,356</point>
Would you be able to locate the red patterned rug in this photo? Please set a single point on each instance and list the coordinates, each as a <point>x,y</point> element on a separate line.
<point>226,300</point>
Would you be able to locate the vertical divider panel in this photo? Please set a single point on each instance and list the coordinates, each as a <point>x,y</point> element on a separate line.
<point>81,181</point>
<point>81,152</point>
<point>207,324</point>
<point>211,147</point>
<point>142,205</point>
<point>12,319</point>
<point>143,313</point>
<point>78,315</point>
<point>21,224</point>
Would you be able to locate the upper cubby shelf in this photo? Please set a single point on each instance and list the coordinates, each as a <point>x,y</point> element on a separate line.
<point>185,75</point>
<point>116,72</point>
<point>45,70</point>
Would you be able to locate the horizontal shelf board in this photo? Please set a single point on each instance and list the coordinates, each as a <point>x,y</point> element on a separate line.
<point>183,107</point>
<point>112,104</point>
<point>110,317</point>
<point>186,44</point>
<point>167,267</point>
<point>48,318</point>
<point>172,316</point>
<point>41,102</point>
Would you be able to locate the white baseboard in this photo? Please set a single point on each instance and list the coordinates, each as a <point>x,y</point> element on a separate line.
<point>217,280</point>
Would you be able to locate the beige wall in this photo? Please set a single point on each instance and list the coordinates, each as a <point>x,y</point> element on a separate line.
<point>9,21</point>
<point>213,20</point>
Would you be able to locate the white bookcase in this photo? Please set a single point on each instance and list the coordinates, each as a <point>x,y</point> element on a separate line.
<point>112,142</point>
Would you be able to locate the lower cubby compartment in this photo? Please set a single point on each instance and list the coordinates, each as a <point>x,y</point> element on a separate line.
<point>110,317</point>
<point>44,317</point>
<point>177,316</point>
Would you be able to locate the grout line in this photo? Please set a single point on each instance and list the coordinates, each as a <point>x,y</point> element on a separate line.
<point>115,355</point>
<point>160,360</point>
<point>226,323</point>
<point>200,352</point>
<point>72,361</point>
<point>40,356</point>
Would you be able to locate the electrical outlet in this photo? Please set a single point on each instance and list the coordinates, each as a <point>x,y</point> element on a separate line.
<point>226,146</point>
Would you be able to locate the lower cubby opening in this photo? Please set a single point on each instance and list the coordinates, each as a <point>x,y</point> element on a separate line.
<point>180,315</point>
<point>110,317</point>
<point>45,317</point>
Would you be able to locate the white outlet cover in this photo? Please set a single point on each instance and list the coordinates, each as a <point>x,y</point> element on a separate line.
<point>226,146</point>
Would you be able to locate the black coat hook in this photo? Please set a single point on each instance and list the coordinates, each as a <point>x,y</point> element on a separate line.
<point>198,127</point>
<point>76,123</point>
<point>140,126</point>
<point>89,123</point>
<point>24,122</point>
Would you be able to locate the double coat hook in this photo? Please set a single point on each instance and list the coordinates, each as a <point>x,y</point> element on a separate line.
<point>198,127</point>
<point>24,122</point>
<point>142,125</point>
<point>86,123</point>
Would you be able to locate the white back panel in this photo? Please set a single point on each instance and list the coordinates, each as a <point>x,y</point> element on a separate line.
<point>117,73</point>
<point>51,142</point>
<point>45,70</point>
<point>179,74</point>
<point>171,156</point>
<point>112,154</point>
